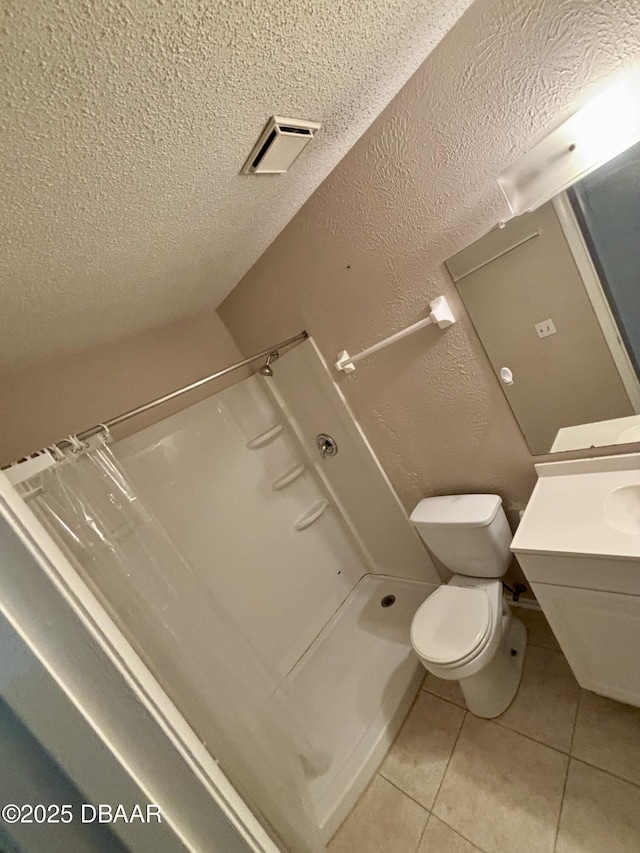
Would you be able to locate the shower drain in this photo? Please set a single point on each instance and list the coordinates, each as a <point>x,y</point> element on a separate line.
<point>388,600</point>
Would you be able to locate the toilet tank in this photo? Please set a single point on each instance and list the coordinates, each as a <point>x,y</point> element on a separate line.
<point>468,533</point>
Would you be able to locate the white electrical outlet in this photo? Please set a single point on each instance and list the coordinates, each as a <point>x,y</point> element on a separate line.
<point>545,328</point>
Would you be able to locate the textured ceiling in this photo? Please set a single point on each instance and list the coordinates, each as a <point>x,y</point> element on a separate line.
<point>124,124</point>
<point>421,184</point>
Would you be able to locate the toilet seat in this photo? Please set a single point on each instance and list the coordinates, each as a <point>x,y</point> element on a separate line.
<point>453,625</point>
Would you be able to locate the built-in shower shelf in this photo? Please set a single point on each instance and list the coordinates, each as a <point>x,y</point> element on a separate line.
<point>265,437</point>
<point>291,475</point>
<point>312,515</point>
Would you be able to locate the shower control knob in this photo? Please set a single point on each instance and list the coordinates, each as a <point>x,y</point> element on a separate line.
<point>326,445</point>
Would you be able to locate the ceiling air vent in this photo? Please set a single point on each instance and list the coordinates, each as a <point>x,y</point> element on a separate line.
<point>281,142</point>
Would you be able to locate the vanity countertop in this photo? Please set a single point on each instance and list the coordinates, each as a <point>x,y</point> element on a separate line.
<point>585,507</point>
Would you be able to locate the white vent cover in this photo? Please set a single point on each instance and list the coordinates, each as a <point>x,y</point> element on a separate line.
<point>282,140</point>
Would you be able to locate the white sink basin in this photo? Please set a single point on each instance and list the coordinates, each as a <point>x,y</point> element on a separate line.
<point>622,509</point>
<point>586,506</point>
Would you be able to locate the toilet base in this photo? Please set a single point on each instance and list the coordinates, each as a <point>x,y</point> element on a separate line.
<point>489,692</point>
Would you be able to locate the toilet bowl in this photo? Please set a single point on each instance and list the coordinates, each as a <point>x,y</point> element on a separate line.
<point>464,632</point>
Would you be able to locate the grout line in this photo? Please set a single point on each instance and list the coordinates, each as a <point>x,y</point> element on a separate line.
<point>453,829</point>
<point>444,699</point>
<point>564,790</point>
<point>586,764</point>
<point>370,783</point>
<point>583,760</point>
<point>429,811</point>
<point>575,722</point>
<point>601,770</point>
<point>453,749</point>
<point>408,796</point>
<point>569,755</point>
<point>423,832</point>
<point>502,725</point>
<point>529,737</point>
<point>541,742</point>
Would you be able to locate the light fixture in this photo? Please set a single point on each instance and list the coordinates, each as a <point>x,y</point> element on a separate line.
<point>280,143</point>
<point>606,126</point>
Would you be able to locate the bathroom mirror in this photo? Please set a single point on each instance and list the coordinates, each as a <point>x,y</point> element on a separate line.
<point>555,298</point>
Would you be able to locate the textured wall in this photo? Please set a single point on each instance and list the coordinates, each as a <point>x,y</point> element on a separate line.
<point>365,254</point>
<point>123,128</point>
<point>43,404</point>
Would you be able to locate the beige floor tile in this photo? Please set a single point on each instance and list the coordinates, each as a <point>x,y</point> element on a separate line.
<point>449,690</point>
<point>384,820</point>
<point>501,790</point>
<point>439,838</point>
<point>608,735</point>
<point>600,814</point>
<point>418,757</point>
<point>538,631</point>
<point>546,702</point>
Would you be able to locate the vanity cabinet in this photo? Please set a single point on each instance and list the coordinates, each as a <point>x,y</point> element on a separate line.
<point>599,633</point>
<point>579,547</point>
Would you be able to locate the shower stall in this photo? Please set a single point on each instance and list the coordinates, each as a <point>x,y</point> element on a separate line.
<point>253,553</point>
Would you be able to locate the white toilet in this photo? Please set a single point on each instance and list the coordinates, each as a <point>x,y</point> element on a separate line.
<point>463,631</point>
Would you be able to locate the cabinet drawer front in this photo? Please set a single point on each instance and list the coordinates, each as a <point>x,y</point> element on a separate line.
<point>599,633</point>
<point>602,573</point>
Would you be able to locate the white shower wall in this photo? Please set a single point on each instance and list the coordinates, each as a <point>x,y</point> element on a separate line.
<point>303,387</point>
<point>215,497</point>
<point>308,601</point>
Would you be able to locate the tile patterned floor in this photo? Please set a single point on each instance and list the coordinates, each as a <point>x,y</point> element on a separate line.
<point>558,772</point>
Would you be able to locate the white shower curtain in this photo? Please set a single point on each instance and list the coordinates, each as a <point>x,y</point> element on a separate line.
<point>172,618</point>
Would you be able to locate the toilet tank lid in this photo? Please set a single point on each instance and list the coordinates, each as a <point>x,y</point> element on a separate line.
<point>467,510</point>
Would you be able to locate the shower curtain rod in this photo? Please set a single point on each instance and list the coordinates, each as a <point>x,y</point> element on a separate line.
<point>39,459</point>
<point>139,410</point>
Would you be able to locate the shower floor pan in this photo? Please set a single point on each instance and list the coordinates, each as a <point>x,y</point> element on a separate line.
<point>353,687</point>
